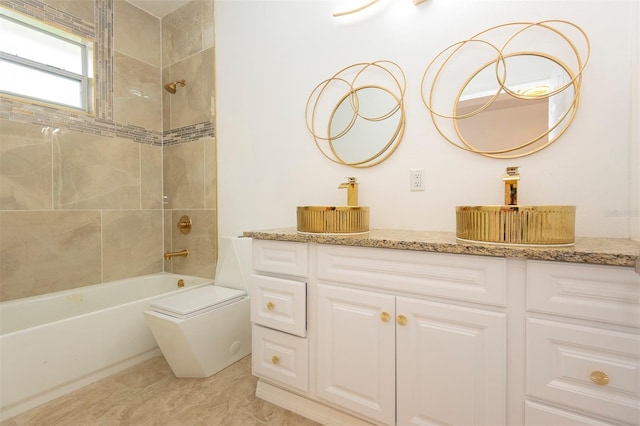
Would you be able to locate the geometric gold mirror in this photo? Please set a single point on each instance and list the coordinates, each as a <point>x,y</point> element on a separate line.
<point>510,90</point>
<point>357,117</point>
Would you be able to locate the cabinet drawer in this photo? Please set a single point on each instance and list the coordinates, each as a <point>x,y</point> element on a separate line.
<point>281,257</point>
<point>603,293</point>
<point>462,277</point>
<point>561,359</point>
<point>280,357</point>
<point>536,414</point>
<point>280,304</point>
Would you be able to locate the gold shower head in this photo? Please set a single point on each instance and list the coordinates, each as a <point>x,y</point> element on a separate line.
<point>171,87</point>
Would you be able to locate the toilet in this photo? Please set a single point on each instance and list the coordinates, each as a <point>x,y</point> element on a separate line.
<point>205,329</point>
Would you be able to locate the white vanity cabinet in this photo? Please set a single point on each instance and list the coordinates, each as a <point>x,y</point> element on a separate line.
<point>364,335</point>
<point>583,344</point>
<point>279,313</point>
<point>391,352</point>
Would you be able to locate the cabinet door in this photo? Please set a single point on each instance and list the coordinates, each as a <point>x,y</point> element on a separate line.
<point>451,364</point>
<point>356,351</point>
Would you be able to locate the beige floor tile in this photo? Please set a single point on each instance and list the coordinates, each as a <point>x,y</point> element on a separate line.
<point>149,394</point>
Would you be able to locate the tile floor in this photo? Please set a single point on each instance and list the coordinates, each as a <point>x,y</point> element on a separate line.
<point>149,394</point>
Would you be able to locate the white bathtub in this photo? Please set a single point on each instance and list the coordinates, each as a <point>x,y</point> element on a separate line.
<point>53,344</point>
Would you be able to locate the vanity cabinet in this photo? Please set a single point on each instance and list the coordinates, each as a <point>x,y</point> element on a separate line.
<point>583,344</point>
<point>279,313</point>
<point>364,335</point>
<point>410,359</point>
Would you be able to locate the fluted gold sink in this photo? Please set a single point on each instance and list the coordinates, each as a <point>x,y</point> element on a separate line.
<point>334,220</point>
<point>517,225</point>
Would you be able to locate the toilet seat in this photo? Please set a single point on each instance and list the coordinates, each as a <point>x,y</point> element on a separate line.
<point>189,303</point>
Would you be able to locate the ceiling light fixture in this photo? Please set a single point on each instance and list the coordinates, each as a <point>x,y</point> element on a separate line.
<point>367,5</point>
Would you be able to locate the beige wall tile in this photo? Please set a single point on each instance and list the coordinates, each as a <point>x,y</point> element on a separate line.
<point>131,243</point>
<point>201,243</point>
<point>210,174</point>
<point>107,193</point>
<point>194,103</point>
<point>42,252</point>
<point>150,177</point>
<point>137,99</point>
<point>25,166</point>
<point>182,33</point>
<point>208,29</point>
<point>129,23</point>
<point>166,100</point>
<point>95,172</point>
<point>184,175</point>
<point>168,223</point>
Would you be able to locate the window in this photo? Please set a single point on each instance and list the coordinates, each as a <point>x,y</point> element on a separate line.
<point>43,63</point>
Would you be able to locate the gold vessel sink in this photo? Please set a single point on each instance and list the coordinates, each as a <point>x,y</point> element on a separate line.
<point>517,225</point>
<point>334,220</point>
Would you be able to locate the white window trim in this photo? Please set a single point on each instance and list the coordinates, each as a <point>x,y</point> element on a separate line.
<point>83,79</point>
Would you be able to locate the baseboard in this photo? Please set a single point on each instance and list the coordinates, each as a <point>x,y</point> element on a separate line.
<point>305,407</point>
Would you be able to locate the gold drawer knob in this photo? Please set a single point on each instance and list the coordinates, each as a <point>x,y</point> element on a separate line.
<point>270,306</point>
<point>385,317</point>
<point>275,359</point>
<point>599,378</point>
<point>402,320</point>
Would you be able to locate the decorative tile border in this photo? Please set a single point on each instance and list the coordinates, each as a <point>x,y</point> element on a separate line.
<point>188,133</point>
<point>16,110</point>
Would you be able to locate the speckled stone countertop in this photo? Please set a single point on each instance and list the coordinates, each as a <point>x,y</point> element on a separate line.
<point>599,251</point>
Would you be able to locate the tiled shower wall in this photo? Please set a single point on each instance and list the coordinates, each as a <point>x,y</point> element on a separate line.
<point>86,199</point>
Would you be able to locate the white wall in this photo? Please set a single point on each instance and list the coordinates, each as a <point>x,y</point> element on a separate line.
<point>271,54</point>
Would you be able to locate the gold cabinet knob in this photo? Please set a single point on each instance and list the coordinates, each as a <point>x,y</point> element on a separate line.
<point>270,306</point>
<point>385,317</point>
<point>599,378</point>
<point>401,320</point>
<point>275,359</point>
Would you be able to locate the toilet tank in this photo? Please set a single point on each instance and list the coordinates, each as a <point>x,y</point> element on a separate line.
<point>234,263</point>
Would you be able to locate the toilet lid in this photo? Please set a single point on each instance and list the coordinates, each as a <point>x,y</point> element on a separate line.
<point>192,302</point>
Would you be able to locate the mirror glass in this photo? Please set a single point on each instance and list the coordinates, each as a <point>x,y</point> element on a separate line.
<point>525,112</point>
<point>363,123</point>
<point>508,91</point>
<point>356,117</point>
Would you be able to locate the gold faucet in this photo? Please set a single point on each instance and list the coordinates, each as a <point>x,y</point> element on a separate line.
<point>352,191</point>
<point>168,255</point>
<point>511,179</point>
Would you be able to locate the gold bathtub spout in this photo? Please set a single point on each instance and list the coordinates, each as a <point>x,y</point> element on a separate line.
<point>168,255</point>
<point>352,190</point>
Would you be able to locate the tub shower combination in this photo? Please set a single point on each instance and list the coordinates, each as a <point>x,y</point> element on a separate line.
<point>53,344</point>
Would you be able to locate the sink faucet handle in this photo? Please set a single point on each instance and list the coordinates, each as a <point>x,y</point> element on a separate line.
<point>351,179</point>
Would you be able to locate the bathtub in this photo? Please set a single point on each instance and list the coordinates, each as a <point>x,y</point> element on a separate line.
<point>56,343</point>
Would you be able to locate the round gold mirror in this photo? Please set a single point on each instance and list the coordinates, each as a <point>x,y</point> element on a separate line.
<point>363,109</point>
<point>487,99</point>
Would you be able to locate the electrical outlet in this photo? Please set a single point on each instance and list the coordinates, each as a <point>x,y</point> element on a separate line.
<point>416,179</point>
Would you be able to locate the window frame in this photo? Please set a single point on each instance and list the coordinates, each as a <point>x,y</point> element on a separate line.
<point>86,53</point>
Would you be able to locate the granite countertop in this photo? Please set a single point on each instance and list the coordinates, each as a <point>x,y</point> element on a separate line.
<point>599,251</point>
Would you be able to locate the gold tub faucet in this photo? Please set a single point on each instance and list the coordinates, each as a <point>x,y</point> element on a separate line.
<point>511,178</point>
<point>352,190</point>
<point>168,255</point>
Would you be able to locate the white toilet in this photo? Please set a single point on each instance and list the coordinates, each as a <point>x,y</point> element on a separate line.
<point>203,330</point>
